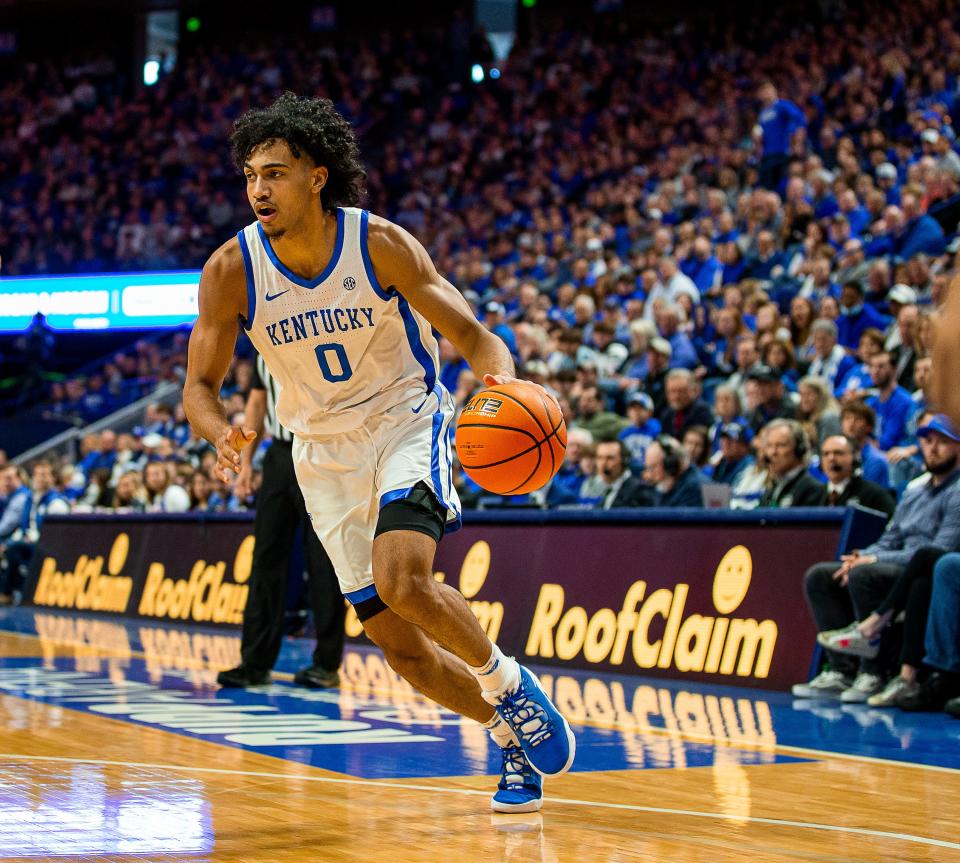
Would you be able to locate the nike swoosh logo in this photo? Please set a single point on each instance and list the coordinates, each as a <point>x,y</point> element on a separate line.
<point>268,297</point>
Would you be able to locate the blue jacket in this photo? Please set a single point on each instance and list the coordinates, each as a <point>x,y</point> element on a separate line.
<point>565,487</point>
<point>779,122</point>
<point>687,490</point>
<point>851,327</point>
<point>875,467</point>
<point>684,353</point>
<point>923,234</point>
<point>703,273</point>
<point>892,418</point>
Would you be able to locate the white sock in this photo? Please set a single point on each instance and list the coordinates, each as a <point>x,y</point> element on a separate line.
<point>499,674</point>
<point>501,733</point>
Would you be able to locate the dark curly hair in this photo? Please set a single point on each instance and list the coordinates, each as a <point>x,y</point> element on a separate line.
<point>314,127</point>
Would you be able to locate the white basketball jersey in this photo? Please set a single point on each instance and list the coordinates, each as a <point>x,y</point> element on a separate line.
<point>341,347</point>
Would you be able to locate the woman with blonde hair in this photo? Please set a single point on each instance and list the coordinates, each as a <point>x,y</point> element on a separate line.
<point>818,410</point>
<point>802,315</point>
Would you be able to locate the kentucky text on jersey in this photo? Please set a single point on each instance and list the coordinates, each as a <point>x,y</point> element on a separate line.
<point>310,323</point>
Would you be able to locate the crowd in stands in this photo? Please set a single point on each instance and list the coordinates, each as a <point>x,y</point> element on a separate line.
<point>725,262</point>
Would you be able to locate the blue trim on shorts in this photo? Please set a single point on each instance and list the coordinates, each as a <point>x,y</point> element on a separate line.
<point>251,288</point>
<point>416,344</point>
<point>435,457</point>
<point>367,263</point>
<point>355,596</point>
<point>396,494</point>
<point>292,276</point>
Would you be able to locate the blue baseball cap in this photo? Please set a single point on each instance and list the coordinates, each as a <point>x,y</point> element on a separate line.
<point>942,425</point>
<point>736,431</point>
<point>641,399</point>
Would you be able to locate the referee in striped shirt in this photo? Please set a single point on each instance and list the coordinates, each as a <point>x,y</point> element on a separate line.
<point>280,510</point>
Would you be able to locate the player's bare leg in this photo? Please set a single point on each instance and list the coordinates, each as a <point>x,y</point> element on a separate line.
<point>430,669</point>
<point>403,573</point>
<point>421,611</point>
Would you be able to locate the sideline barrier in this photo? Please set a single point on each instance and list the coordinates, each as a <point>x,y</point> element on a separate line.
<point>691,594</point>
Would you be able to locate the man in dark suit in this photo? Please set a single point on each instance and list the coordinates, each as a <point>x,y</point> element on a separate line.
<point>684,407</point>
<point>840,461</point>
<point>786,446</point>
<point>667,468</point>
<point>623,488</point>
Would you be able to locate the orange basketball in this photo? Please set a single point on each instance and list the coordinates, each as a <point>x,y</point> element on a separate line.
<point>511,438</point>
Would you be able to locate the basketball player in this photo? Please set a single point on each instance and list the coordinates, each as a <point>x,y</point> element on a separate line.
<point>946,356</point>
<point>342,306</point>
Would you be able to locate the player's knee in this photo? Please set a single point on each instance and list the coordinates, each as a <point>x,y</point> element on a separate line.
<point>404,588</point>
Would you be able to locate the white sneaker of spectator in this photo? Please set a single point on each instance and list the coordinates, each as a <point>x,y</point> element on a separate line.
<point>850,640</point>
<point>827,684</point>
<point>863,687</point>
<point>887,697</point>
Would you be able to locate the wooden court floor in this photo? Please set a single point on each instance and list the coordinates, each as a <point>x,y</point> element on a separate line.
<point>113,747</point>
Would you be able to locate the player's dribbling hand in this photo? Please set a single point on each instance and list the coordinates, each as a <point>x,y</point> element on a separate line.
<point>229,444</point>
<point>493,380</point>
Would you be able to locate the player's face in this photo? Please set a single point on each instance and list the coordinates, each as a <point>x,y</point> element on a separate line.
<point>281,188</point>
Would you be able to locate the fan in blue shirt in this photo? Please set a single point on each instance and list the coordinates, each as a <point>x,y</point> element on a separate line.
<point>779,119</point>
<point>855,316</point>
<point>893,403</point>
<point>642,431</point>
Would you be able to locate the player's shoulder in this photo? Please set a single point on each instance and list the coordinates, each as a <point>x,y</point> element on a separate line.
<point>389,238</point>
<point>223,281</point>
<point>226,263</point>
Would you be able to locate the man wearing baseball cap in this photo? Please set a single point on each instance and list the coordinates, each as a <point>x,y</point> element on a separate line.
<point>735,454</point>
<point>928,515</point>
<point>643,428</point>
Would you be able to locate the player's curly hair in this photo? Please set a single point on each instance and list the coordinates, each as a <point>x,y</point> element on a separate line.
<point>314,127</point>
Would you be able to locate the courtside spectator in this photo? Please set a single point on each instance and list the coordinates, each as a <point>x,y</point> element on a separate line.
<point>43,500</point>
<point>927,515</point>
<point>846,486</point>
<point>941,690</point>
<point>787,446</point>
<point>667,468</point>
<point>615,485</point>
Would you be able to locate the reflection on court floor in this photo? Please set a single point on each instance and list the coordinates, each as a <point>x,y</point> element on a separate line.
<point>119,742</point>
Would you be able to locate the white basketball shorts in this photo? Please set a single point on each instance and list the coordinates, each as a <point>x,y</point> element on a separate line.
<point>347,478</point>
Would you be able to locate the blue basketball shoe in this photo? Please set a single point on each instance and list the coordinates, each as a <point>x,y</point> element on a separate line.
<point>520,788</point>
<point>544,735</point>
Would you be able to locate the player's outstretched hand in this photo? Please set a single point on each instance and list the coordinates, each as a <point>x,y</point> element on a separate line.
<point>229,444</point>
<point>493,380</point>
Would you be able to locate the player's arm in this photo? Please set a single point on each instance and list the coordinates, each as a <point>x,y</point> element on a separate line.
<point>401,262</point>
<point>222,299</point>
<point>254,413</point>
<point>946,356</point>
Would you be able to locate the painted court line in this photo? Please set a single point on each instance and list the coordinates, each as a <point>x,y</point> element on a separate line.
<point>689,736</point>
<point>564,801</point>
